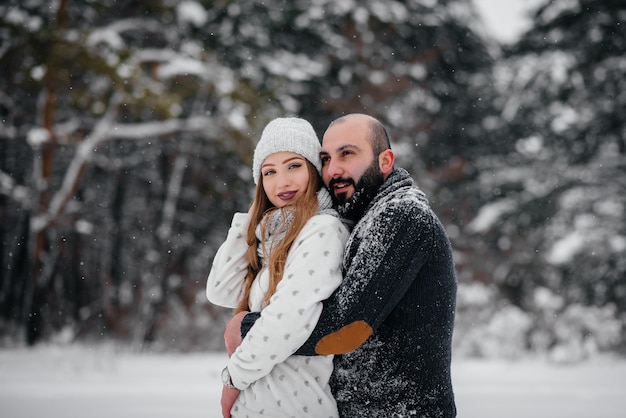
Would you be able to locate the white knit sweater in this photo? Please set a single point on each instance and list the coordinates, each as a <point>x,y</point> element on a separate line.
<point>274,383</point>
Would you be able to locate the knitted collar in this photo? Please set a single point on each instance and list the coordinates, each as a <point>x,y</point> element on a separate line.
<point>399,178</point>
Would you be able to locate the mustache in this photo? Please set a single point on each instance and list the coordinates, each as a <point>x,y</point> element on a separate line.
<point>332,182</point>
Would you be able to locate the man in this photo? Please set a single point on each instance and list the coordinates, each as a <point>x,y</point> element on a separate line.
<point>391,320</point>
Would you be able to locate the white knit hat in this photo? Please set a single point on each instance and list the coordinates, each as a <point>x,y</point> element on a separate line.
<point>287,134</point>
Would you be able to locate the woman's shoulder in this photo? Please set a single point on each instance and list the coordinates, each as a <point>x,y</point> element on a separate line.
<point>324,219</point>
<point>321,231</point>
<point>326,222</point>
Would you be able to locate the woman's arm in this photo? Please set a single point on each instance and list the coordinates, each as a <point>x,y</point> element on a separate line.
<point>312,273</point>
<point>224,284</point>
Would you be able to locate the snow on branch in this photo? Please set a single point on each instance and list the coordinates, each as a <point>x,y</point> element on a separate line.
<point>18,193</point>
<point>111,34</point>
<point>158,128</point>
<point>105,130</point>
<point>490,214</point>
<point>173,192</point>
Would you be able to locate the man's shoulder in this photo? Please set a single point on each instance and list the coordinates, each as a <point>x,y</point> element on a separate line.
<point>404,208</point>
<point>407,198</point>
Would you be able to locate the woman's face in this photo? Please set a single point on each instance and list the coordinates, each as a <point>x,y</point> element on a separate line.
<point>285,178</point>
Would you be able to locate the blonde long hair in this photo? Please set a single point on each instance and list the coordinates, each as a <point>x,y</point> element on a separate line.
<point>304,209</point>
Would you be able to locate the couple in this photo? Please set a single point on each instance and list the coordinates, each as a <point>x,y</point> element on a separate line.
<point>351,324</point>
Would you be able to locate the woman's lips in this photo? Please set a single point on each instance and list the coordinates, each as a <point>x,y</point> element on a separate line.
<point>286,195</point>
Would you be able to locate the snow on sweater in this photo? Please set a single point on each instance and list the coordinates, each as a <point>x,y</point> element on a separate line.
<point>399,279</point>
<point>273,382</point>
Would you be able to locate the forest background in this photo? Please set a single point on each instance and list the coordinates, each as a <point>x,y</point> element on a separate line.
<point>128,128</point>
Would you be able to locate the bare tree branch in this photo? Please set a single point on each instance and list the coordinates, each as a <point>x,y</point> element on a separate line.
<point>106,130</point>
<point>20,194</point>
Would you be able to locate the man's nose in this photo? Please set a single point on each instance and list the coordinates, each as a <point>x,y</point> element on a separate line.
<point>333,169</point>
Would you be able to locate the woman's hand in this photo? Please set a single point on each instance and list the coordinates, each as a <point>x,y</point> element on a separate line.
<point>229,396</point>
<point>232,334</point>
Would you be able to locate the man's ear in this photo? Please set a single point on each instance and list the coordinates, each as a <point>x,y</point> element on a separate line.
<point>385,162</point>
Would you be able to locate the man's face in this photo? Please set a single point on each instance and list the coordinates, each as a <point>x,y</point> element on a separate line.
<point>349,168</point>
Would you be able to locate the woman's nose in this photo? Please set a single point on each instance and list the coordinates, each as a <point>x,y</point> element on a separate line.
<point>284,179</point>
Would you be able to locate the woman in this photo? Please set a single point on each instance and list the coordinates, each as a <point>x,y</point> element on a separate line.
<point>282,258</point>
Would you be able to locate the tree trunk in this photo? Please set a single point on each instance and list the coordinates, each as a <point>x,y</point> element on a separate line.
<point>35,296</point>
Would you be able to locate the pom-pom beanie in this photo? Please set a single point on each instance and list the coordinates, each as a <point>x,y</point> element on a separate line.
<point>287,134</point>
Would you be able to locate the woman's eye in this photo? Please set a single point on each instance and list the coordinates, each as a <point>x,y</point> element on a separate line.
<point>268,172</point>
<point>295,166</point>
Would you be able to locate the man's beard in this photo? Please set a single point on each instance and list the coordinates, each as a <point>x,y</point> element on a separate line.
<point>364,192</point>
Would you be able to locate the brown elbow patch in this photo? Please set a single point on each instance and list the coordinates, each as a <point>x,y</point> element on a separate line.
<point>347,339</point>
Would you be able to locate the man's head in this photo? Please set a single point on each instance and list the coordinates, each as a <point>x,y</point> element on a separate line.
<point>356,160</point>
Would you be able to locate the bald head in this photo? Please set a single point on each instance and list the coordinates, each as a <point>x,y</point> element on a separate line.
<point>377,134</point>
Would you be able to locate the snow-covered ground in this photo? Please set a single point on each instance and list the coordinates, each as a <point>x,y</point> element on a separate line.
<point>79,382</point>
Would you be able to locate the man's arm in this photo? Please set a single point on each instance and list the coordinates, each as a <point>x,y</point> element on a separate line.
<point>381,269</point>
<point>379,274</point>
<point>247,322</point>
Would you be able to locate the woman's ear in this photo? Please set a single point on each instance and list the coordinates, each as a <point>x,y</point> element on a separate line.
<point>385,162</point>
